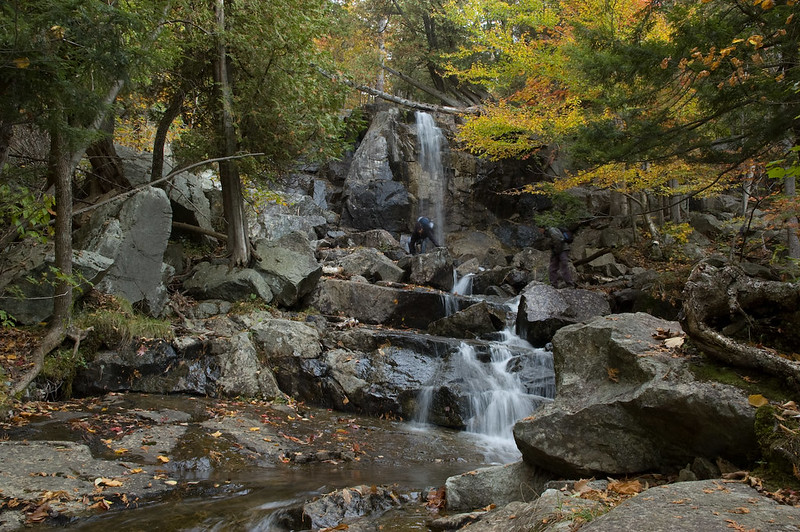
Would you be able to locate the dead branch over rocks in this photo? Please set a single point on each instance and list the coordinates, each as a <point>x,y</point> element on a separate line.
<point>743,321</point>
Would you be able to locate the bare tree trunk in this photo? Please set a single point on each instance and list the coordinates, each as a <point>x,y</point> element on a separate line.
<point>729,299</point>
<point>233,199</point>
<point>791,223</point>
<point>172,112</point>
<point>107,172</point>
<point>674,203</point>
<point>60,172</point>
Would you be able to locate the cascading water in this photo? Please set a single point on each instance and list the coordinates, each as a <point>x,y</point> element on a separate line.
<point>432,185</point>
<point>497,383</point>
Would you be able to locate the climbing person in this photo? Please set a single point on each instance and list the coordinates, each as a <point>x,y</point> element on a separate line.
<point>560,240</point>
<point>422,229</point>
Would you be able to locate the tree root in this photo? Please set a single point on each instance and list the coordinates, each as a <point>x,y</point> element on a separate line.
<point>713,297</point>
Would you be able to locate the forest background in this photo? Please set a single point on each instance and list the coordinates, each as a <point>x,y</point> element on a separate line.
<point>661,98</point>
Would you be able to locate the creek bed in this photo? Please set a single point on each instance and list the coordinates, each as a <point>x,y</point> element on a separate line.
<point>233,464</point>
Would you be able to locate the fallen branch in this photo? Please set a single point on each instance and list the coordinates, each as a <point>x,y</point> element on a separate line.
<point>723,295</point>
<point>591,257</point>
<point>420,106</point>
<point>200,230</point>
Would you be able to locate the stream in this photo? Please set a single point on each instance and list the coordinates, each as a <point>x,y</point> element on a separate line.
<point>235,492</point>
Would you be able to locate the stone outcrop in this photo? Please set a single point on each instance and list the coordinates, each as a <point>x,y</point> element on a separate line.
<point>133,233</point>
<point>543,310</point>
<point>625,404</point>
<point>374,192</point>
<point>498,485</point>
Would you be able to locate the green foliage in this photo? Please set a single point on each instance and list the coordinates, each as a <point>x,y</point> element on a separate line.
<point>778,438</point>
<point>567,211</point>
<point>6,319</point>
<point>114,322</point>
<point>60,368</point>
<point>26,211</point>
<point>679,232</point>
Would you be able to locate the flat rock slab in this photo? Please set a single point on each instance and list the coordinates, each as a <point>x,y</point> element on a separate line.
<point>36,469</point>
<point>707,505</point>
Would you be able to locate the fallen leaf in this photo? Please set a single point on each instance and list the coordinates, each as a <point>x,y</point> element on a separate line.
<point>110,482</point>
<point>757,400</point>
<point>216,434</point>
<point>163,459</point>
<point>674,342</point>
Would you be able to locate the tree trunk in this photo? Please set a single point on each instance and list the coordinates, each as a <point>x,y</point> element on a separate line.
<point>60,172</point>
<point>172,112</point>
<point>674,203</point>
<point>791,223</point>
<point>6,132</point>
<point>728,300</point>
<point>233,199</point>
<point>107,171</point>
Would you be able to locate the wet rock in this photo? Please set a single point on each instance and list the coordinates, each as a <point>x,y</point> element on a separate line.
<point>498,485</point>
<point>373,193</point>
<point>626,405</point>
<point>379,239</point>
<point>69,469</point>
<point>544,309</point>
<point>342,506</point>
<point>473,322</point>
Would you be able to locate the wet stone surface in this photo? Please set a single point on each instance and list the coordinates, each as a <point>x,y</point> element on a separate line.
<point>134,458</point>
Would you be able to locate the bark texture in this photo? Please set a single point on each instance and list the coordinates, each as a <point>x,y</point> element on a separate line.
<point>744,321</point>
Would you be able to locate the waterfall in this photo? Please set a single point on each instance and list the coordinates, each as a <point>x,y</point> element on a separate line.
<point>461,287</point>
<point>432,186</point>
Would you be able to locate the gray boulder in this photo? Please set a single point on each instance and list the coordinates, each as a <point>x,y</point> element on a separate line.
<point>289,267</point>
<point>543,310</point>
<point>372,265</point>
<point>382,305</point>
<point>220,281</point>
<point>497,485</point>
<point>133,232</point>
<point>30,292</point>
<point>374,196</point>
<point>474,321</point>
<point>709,505</point>
<point>241,370</point>
<point>297,213</point>
<point>189,202</point>
<point>433,269</point>
<point>625,404</point>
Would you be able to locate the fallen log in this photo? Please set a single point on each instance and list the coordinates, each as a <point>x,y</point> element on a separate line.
<point>720,303</point>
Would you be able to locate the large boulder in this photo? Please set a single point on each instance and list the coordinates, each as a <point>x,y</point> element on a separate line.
<point>220,281</point>
<point>543,310</point>
<point>625,404</point>
<point>230,364</point>
<point>30,292</point>
<point>374,192</point>
<point>382,305</point>
<point>372,265</point>
<point>433,269</point>
<point>133,232</point>
<point>189,202</point>
<point>475,321</point>
<point>498,485</point>
<point>295,213</point>
<point>289,267</point>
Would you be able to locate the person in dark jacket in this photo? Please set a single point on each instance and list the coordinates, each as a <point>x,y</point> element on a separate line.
<point>422,229</point>
<point>559,270</point>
